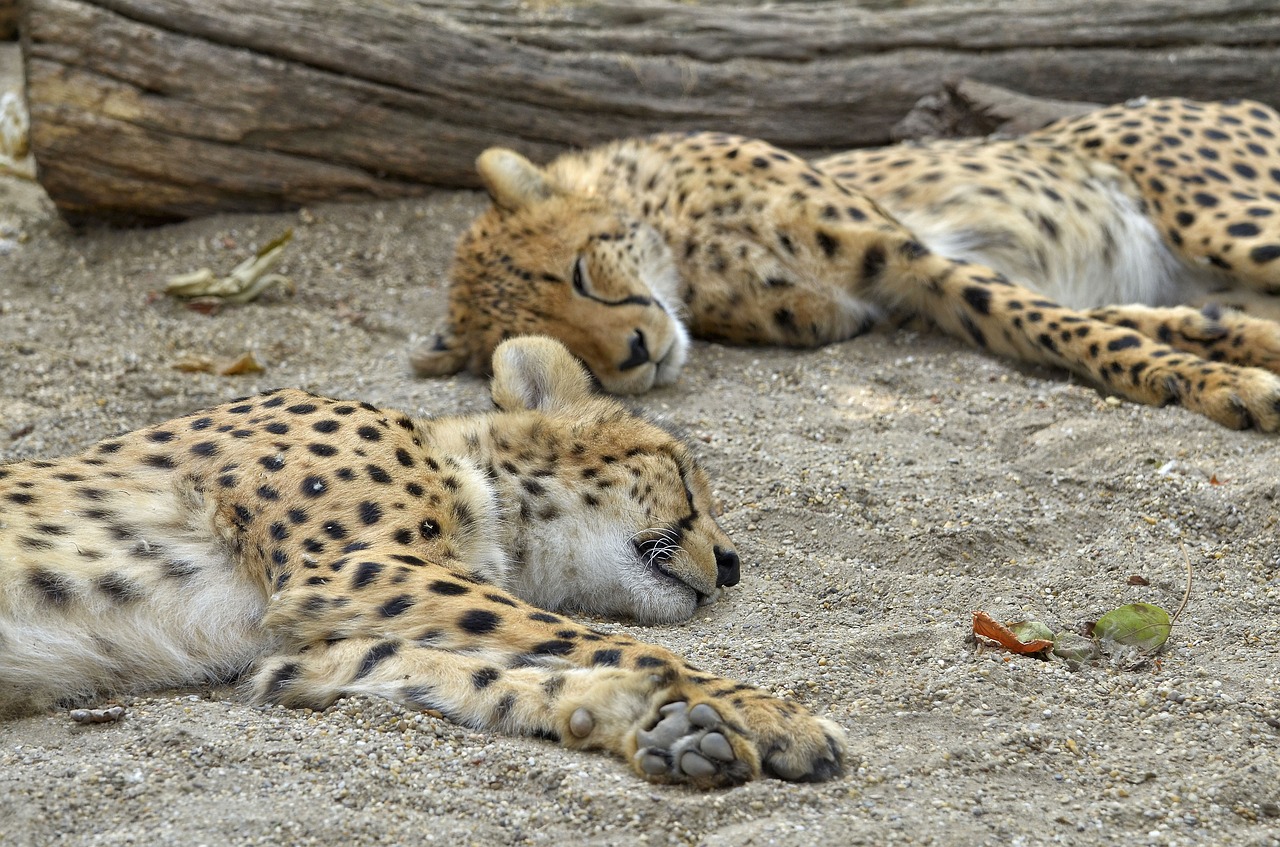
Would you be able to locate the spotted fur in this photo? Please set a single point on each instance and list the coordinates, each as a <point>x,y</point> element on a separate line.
<point>615,250</point>
<point>340,548</point>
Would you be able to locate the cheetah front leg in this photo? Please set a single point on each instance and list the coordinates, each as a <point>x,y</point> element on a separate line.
<point>670,729</point>
<point>1212,332</point>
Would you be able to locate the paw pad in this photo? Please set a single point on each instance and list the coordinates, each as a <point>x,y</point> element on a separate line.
<point>581,723</point>
<point>689,743</point>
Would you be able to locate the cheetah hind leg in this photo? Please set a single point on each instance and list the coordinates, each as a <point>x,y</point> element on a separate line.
<point>669,733</point>
<point>1212,332</point>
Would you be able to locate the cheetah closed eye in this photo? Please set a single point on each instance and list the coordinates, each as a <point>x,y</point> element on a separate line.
<point>1016,246</point>
<point>338,548</point>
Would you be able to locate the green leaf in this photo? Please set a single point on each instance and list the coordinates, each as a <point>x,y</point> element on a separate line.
<point>1028,631</point>
<point>1140,625</point>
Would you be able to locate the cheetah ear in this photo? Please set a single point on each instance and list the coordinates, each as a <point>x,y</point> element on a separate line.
<point>439,357</point>
<point>512,180</point>
<point>537,373</point>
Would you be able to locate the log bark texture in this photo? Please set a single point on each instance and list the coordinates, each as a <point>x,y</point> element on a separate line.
<point>164,109</point>
<point>8,20</point>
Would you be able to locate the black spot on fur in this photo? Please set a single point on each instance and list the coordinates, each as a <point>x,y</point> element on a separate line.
<point>377,654</point>
<point>650,662</point>
<point>366,573</point>
<point>1124,342</point>
<point>975,332</point>
<point>314,486</point>
<point>873,262</point>
<point>396,606</point>
<point>447,589</point>
<point>54,588</point>
<point>1243,230</point>
<point>978,298</point>
<point>612,658</point>
<point>370,513</point>
<point>830,246</point>
<point>1265,253</point>
<point>119,588</point>
<point>479,622</point>
<point>282,677</point>
<point>484,677</point>
<point>554,647</point>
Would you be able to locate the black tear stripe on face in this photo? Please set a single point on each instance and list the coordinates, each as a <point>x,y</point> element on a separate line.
<point>581,287</point>
<point>686,522</point>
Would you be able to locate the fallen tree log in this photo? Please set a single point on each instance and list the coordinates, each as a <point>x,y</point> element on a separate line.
<point>146,110</point>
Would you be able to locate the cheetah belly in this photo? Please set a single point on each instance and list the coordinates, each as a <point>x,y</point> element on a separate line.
<point>164,607</point>
<point>1113,255</point>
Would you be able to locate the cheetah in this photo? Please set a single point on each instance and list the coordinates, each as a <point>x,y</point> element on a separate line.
<point>1018,247</point>
<point>330,548</point>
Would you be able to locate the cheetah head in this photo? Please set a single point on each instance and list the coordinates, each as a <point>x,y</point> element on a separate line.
<point>545,259</point>
<point>609,512</point>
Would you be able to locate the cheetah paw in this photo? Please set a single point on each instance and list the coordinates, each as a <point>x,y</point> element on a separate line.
<point>1239,398</point>
<point>693,745</point>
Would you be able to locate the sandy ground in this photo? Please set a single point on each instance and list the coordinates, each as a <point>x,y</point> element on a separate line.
<point>879,491</point>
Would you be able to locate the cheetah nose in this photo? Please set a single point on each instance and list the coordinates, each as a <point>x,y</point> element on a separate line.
<point>728,568</point>
<point>639,352</point>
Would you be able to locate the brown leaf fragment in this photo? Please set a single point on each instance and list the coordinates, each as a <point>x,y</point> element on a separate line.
<point>1138,579</point>
<point>204,305</point>
<point>194,365</point>
<point>245,363</point>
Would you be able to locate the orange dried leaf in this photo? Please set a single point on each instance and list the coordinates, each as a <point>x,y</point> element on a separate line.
<point>990,628</point>
<point>245,363</point>
<point>194,365</point>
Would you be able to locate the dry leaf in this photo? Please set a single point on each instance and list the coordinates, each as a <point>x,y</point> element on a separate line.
<point>194,365</point>
<point>245,282</point>
<point>988,627</point>
<point>1138,579</point>
<point>245,363</point>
